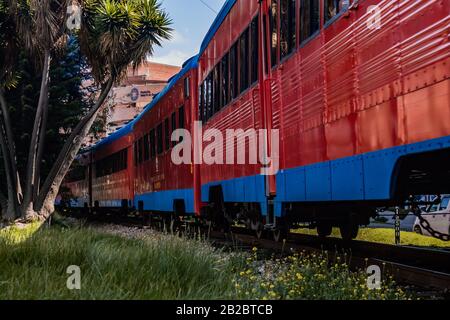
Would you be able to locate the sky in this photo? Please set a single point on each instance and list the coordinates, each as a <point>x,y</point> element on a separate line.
<point>191,21</point>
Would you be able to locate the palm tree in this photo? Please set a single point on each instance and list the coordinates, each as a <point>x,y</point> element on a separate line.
<point>113,35</point>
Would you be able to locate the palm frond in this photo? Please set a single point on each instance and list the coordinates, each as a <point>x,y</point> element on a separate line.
<point>117,33</point>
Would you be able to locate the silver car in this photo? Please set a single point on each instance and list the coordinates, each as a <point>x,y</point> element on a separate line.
<point>438,217</point>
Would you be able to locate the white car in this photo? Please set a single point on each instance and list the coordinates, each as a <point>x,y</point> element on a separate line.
<point>438,217</point>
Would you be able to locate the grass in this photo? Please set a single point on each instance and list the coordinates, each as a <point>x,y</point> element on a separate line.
<point>309,276</point>
<point>387,236</point>
<point>18,233</point>
<point>112,267</point>
<point>34,263</point>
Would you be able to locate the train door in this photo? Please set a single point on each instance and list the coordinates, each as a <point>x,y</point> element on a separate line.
<point>268,54</point>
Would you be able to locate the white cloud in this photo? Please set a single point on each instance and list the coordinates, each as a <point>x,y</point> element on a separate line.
<point>173,57</point>
<point>178,38</point>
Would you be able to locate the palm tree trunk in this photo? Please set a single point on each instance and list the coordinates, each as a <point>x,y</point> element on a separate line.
<point>40,150</point>
<point>12,203</point>
<point>49,191</point>
<point>3,202</point>
<point>11,145</point>
<point>32,164</point>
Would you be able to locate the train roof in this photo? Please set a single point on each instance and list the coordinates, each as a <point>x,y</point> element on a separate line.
<point>187,66</point>
<point>223,13</point>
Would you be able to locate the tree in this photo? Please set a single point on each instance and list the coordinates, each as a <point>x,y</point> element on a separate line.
<point>69,99</point>
<point>113,34</point>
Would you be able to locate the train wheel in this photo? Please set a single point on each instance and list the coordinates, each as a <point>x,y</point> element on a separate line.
<point>349,231</point>
<point>324,230</point>
<point>280,234</point>
<point>258,227</point>
<point>219,219</point>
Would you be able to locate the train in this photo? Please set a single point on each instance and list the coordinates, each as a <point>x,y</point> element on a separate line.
<point>356,92</point>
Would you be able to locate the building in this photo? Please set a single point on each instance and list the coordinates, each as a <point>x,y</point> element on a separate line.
<point>135,92</point>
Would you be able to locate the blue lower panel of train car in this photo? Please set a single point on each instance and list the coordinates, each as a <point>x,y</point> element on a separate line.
<point>163,200</point>
<point>363,177</point>
<point>74,203</point>
<point>241,190</point>
<point>79,203</point>
<point>110,204</point>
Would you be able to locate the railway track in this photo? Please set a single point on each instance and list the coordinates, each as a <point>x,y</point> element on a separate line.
<point>425,269</point>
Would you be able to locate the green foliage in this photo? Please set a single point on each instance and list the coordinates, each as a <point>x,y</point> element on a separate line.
<point>160,267</point>
<point>18,233</point>
<point>67,103</point>
<point>308,276</point>
<point>8,45</point>
<point>117,33</point>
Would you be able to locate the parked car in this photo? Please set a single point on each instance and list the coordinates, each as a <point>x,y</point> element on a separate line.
<point>438,217</point>
<point>387,220</point>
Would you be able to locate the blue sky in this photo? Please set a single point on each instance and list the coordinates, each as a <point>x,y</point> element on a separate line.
<point>191,21</point>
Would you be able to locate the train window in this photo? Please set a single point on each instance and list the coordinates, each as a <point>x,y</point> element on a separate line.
<point>167,134</point>
<point>332,8</point>
<point>181,117</point>
<point>136,155</point>
<point>309,18</point>
<point>200,101</point>
<point>254,50</point>
<point>77,173</point>
<point>209,97</point>
<point>243,60</point>
<point>224,73</point>
<point>159,137</point>
<point>265,45</point>
<point>141,153</point>
<point>146,147</point>
<point>152,144</point>
<point>216,89</point>
<point>205,101</point>
<point>124,163</point>
<point>98,169</point>
<point>114,163</point>
<point>287,27</point>
<point>173,120</point>
<point>186,87</point>
<point>234,70</point>
<point>273,15</point>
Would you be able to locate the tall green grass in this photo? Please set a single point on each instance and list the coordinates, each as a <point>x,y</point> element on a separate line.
<point>161,267</point>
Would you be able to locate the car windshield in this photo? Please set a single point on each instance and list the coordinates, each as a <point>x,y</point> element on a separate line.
<point>444,203</point>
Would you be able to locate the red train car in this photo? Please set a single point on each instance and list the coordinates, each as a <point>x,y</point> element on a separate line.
<point>113,172</point>
<point>358,93</point>
<point>160,184</point>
